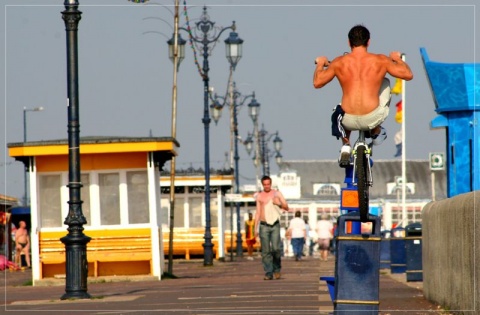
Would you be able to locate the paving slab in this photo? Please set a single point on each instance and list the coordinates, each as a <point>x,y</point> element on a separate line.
<point>229,287</point>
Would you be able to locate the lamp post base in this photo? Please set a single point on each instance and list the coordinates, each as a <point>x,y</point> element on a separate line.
<point>239,245</point>
<point>76,276</point>
<point>208,252</point>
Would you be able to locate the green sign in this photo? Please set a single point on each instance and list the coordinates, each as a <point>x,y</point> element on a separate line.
<point>437,161</point>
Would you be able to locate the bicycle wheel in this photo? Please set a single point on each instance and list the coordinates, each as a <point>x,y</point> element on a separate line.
<point>362,184</point>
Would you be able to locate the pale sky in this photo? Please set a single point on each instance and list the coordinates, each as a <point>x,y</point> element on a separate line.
<point>125,76</point>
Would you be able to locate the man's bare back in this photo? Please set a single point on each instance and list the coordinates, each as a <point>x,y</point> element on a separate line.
<point>360,75</point>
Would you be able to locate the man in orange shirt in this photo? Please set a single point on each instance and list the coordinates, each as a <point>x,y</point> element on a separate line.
<point>250,235</point>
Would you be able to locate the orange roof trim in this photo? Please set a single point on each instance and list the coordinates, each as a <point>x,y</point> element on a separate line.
<point>94,145</point>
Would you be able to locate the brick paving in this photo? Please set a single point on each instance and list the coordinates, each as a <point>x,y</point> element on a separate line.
<point>230,287</point>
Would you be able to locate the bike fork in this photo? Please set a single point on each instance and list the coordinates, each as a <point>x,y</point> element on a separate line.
<point>369,164</point>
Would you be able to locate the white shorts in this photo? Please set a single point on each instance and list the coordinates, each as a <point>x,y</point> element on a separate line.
<point>374,118</point>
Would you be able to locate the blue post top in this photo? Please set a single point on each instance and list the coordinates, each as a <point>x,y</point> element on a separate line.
<point>455,86</point>
<point>349,176</point>
<point>354,218</point>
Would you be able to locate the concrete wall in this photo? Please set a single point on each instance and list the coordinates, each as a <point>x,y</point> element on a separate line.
<point>451,252</point>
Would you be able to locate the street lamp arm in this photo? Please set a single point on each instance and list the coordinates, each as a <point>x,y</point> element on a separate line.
<point>244,142</point>
<point>269,138</point>
<point>232,27</point>
<point>238,99</point>
<point>156,32</point>
<point>205,41</point>
<point>183,29</point>
<point>215,99</point>
<point>245,98</point>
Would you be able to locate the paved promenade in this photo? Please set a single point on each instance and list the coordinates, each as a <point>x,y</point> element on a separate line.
<point>225,288</point>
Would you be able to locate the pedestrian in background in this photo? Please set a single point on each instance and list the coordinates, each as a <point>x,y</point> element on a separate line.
<point>299,235</point>
<point>270,203</point>
<point>313,241</point>
<point>250,235</point>
<point>324,235</point>
<point>22,244</point>
<point>306,246</point>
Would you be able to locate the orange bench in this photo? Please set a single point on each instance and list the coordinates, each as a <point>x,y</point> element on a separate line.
<point>110,252</point>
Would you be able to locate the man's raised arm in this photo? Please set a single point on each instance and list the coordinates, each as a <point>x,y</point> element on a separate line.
<point>322,75</point>
<point>398,68</point>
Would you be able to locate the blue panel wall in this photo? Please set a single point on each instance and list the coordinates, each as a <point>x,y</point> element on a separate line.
<point>456,92</point>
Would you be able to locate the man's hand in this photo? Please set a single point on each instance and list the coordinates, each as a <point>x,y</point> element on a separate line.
<point>277,202</point>
<point>396,55</point>
<point>322,61</point>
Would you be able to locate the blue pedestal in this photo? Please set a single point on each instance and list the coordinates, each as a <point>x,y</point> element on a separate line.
<point>330,285</point>
<point>357,267</point>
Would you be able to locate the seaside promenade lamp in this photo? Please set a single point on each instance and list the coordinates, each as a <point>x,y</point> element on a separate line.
<point>181,49</point>
<point>205,34</point>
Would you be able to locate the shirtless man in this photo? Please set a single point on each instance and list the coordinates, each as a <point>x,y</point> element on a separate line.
<point>267,225</point>
<point>22,243</point>
<point>361,75</point>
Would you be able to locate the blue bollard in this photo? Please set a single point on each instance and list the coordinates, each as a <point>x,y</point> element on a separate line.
<point>357,276</point>
<point>413,252</point>
<point>385,251</point>
<point>398,260</point>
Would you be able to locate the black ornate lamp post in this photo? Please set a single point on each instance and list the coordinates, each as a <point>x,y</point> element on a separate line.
<point>254,112</point>
<point>237,101</point>
<point>262,140</point>
<point>26,199</point>
<point>209,34</point>
<point>75,241</point>
<point>265,138</point>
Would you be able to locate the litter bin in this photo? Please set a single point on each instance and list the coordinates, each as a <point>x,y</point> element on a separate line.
<point>413,252</point>
<point>385,250</point>
<point>398,260</point>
